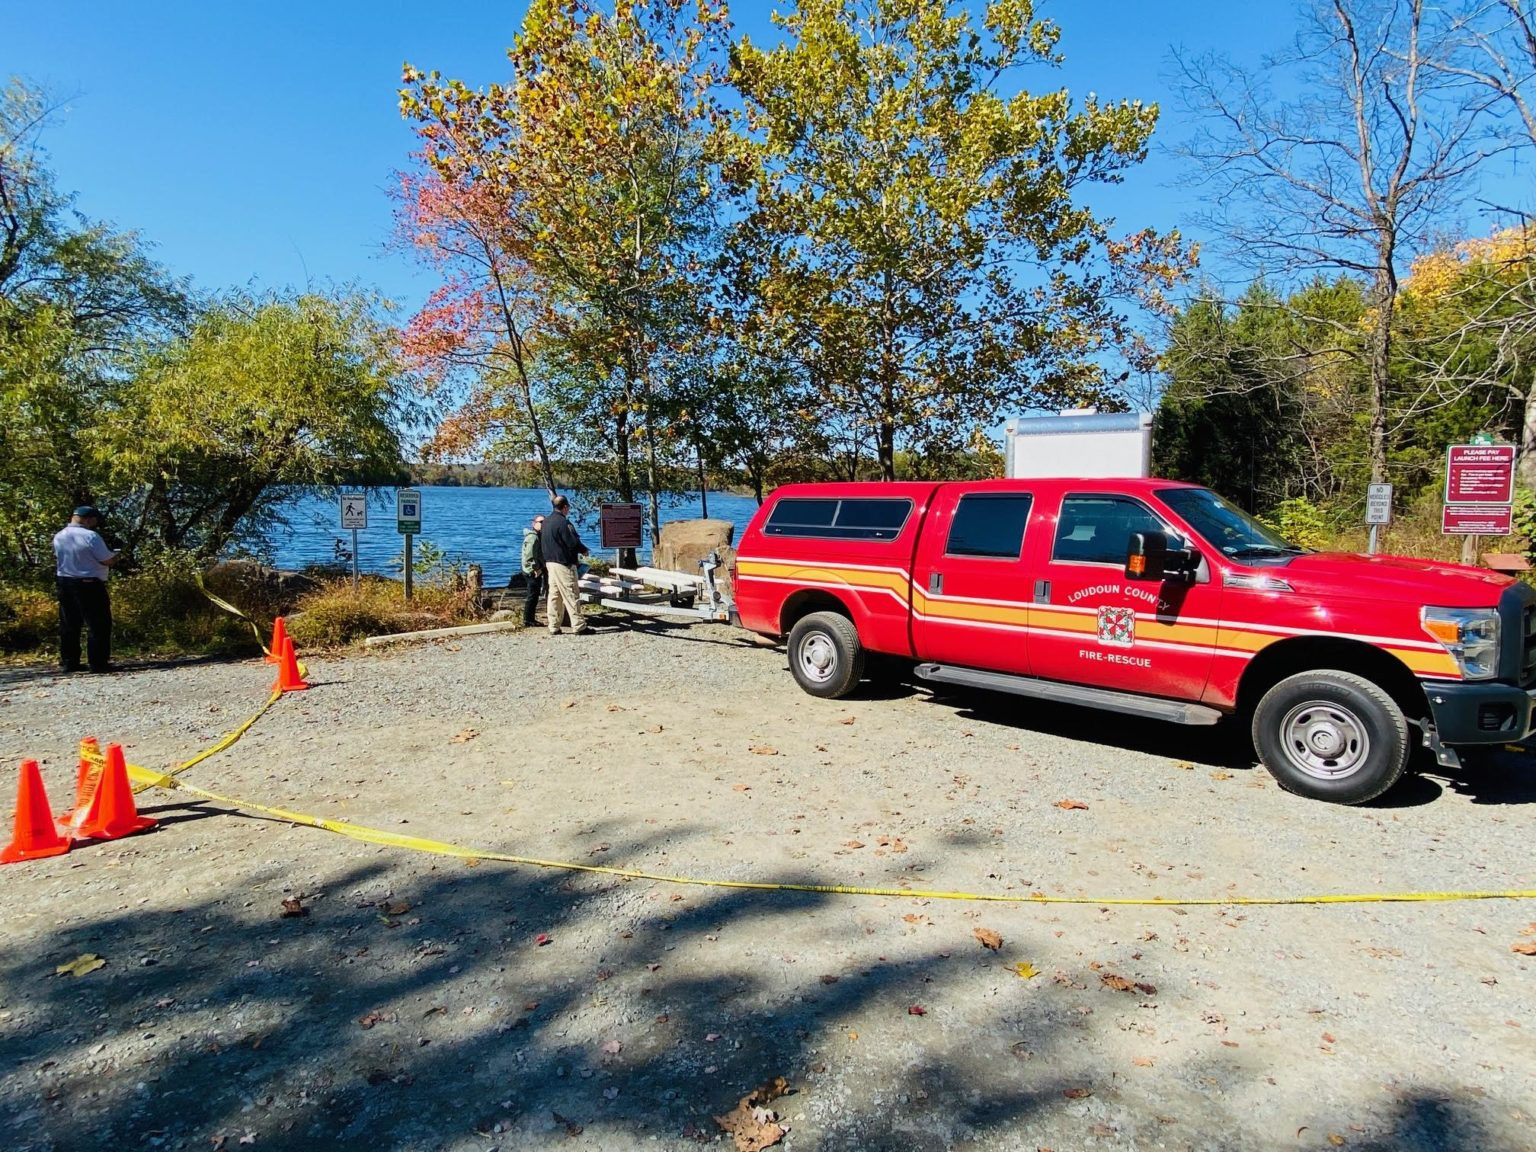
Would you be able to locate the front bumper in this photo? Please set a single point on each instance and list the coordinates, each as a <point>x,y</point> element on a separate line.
<point>1479,713</point>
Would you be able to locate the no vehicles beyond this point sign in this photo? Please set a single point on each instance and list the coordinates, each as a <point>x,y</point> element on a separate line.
<point>408,511</point>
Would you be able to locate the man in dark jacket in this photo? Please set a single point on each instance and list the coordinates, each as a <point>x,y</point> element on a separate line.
<point>561,548</point>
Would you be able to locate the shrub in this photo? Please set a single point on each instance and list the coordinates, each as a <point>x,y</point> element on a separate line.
<point>1302,523</point>
<point>29,619</point>
<point>335,615</point>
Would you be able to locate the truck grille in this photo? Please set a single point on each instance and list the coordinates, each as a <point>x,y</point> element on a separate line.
<point>1517,618</point>
<point>1528,646</point>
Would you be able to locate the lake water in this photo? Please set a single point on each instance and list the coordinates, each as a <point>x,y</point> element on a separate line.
<point>476,525</point>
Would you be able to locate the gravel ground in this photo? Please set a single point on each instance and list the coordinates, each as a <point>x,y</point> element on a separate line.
<point>415,1006</point>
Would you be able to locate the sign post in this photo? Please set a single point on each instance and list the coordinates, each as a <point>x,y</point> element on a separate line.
<point>1479,492</point>
<point>621,526</point>
<point>1378,510</point>
<point>408,524</point>
<point>354,515</point>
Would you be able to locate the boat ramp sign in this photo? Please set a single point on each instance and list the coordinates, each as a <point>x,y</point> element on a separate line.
<point>621,525</point>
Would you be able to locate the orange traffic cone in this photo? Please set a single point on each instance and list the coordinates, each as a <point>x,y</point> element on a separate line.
<point>289,679</point>
<point>35,835</point>
<point>89,772</point>
<point>279,638</point>
<point>111,812</point>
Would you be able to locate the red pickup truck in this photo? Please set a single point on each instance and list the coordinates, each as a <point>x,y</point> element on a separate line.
<point>1148,597</point>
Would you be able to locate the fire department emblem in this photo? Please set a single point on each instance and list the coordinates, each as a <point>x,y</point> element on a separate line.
<point>1117,626</point>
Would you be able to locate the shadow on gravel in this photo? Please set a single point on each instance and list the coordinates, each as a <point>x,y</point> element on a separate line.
<point>24,675</point>
<point>1429,1122</point>
<point>422,1013</point>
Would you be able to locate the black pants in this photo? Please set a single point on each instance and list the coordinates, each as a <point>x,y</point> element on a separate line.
<point>535,594</point>
<point>84,602</point>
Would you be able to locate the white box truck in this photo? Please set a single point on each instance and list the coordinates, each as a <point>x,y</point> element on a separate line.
<point>1086,443</point>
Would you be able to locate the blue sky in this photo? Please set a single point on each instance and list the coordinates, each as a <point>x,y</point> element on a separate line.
<point>254,144</point>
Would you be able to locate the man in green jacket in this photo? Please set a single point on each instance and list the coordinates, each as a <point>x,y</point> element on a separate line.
<point>533,569</point>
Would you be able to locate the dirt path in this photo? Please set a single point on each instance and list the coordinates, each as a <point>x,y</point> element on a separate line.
<point>415,1007</point>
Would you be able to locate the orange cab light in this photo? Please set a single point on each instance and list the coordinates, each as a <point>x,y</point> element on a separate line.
<point>1137,566</point>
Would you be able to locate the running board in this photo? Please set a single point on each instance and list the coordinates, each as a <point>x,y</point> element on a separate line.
<point>1174,711</point>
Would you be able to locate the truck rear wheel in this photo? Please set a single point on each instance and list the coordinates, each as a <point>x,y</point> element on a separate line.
<point>825,654</point>
<point>1331,736</point>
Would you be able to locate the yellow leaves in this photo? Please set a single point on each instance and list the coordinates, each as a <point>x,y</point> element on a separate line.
<point>82,965</point>
<point>1025,970</point>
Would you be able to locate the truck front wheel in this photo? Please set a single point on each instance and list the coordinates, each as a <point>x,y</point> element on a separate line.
<point>1331,736</point>
<point>825,654</point>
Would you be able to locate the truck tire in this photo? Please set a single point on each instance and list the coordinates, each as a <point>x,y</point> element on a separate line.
<point>1331,736</point>
<point>825,654</point>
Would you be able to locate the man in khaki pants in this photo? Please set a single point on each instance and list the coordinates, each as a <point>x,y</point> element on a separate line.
<point>561,548</point>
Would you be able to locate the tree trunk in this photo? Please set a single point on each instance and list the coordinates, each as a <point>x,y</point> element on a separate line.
<point>1384,298</point>
<point>1526,468</point>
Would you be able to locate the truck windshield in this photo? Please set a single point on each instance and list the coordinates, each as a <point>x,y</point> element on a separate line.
<point>1236,533</point>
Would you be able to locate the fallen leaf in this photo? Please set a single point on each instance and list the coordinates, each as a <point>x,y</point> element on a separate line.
<point>1076,1093</point>
<point>764,750</point>
<point>1328,1038</point>
<point>572,1128</point>
<point>463,737</point>
<point>1524,949</point>
<point>915,918</point>
<point>1336,1140</point>
<point>1218,775</point>
<point>81,965</point>
<point>752,1126</point>
<point>1142,1062</point>
<point>828,978</point>
<point>917,1010</point>
<point>1025,970</point>
<point>1118,983</point>
<point>293,906</point>
<point>1146,989</point>
<point>1184,764</point>
<point>847,720</point>
<point>987,938</point>
<point>615,708</point>
<point>741,787</point>
<point>1068,805</point>
<point>397,909</point>
<point>854,844</point>
<point>370,1019</point>
<point>541,939</point>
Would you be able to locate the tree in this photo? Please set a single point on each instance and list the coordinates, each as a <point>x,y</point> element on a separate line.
<point>476,332</point>
<point>596,153</point>
<point>1352,172</point>
<point>75,298</point>
<point>921,231</point>
<point>260,394</point>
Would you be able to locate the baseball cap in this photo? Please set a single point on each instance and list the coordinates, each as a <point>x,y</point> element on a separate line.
<point>85,512</point>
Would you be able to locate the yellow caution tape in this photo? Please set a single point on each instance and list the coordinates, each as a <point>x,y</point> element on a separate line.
<point>147,778</point>
<point>233,611</point>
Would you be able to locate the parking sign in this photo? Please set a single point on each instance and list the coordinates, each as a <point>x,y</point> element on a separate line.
<point>408,511</point>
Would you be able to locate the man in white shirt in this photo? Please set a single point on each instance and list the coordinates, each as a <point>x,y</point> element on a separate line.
<point>83,563</point>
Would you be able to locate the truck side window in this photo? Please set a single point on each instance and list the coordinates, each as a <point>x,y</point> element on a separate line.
<point>1096,529</point>
<point>989,526</point>
<point>872,519</point>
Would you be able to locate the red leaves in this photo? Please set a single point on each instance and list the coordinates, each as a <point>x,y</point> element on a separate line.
<point>917,1010</point>
<point>1069,805</point>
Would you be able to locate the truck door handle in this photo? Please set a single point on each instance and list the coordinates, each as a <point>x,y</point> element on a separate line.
<point>936,582</point>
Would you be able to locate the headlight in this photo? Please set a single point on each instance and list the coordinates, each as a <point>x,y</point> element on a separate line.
<point>1471,635</point>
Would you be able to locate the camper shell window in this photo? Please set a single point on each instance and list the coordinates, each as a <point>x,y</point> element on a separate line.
<point>861,519</point>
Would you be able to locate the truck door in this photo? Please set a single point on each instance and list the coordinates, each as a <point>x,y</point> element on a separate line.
<point>970,592</point>
<point>1089,625</point>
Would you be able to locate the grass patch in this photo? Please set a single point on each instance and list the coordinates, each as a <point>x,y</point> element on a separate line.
<point>334,615</point>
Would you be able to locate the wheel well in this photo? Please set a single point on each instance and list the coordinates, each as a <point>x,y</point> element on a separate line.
<point>801,604</point>
<point>1313,653</point>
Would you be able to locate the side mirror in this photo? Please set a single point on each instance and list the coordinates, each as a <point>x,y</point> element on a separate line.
<point>1146,556</point>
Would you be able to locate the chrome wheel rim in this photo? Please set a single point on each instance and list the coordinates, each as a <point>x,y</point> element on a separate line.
<point>818,657</point>
<point>1324,740</point>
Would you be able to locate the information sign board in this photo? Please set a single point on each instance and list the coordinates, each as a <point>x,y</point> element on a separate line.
<point>1480,474</point>
<point>1477,520</point>
<point>621,525</point>
<point>354,510</point>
